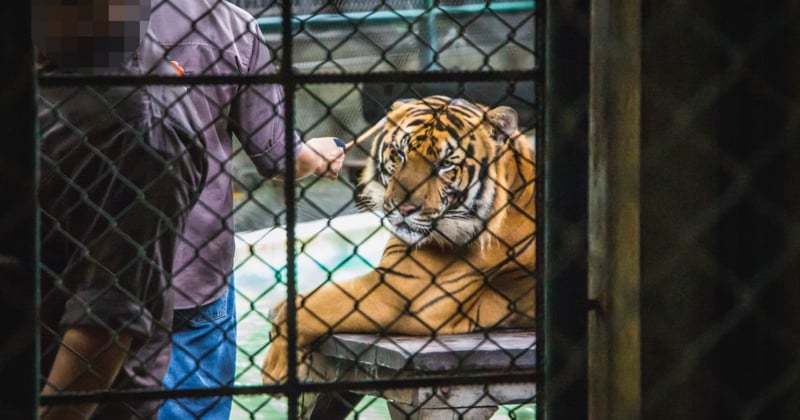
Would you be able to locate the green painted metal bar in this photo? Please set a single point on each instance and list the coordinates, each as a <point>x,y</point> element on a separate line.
<point>428,33</point>
<point>329,20</point>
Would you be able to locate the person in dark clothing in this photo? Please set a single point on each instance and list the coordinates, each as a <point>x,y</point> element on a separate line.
<point>120,167</point>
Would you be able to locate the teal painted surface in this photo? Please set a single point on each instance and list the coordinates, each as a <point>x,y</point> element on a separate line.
<point>338,249</point>
<point>331,21</point>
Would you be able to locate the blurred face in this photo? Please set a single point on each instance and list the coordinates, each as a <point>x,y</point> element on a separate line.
<point>88,35</point>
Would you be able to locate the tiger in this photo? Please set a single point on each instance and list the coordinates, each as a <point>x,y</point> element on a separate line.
<point>456,182</point>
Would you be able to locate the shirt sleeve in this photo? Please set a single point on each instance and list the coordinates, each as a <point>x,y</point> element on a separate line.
<point>258,114</point>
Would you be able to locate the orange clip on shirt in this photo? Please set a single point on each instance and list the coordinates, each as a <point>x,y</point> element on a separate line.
<point>178,67</point>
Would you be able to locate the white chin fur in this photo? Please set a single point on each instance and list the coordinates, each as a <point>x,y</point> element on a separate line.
<point>448,232</point>
<point>458,232</point>
<point>409,237</point>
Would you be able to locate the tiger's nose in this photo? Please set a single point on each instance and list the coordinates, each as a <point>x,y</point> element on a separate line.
<point>406,209</point>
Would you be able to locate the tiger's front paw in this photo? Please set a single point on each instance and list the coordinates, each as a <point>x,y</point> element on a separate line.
<point>275,367</point>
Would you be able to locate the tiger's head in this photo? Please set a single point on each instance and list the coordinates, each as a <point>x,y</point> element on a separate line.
<point>434,169</point>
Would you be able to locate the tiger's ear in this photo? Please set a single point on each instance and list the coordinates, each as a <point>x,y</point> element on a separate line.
<point>400,103</point>
<point>504,120</point>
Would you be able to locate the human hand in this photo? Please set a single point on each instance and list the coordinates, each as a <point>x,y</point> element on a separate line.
<point>326,154</point>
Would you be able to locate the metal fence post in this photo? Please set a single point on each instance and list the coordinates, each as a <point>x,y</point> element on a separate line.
<point>18,232</point>
<point>562,391</point>
<point>289,86</point>
<point>614,334</point>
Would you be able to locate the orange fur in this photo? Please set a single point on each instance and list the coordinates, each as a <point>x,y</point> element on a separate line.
<point>444,282</point>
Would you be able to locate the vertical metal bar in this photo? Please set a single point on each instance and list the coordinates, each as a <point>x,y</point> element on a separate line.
<point>19,357</point>
<point>428,33</point>
<point>292,393</point>
<point>563,171</point>
<point>614,206</point>
<point>540,146</point>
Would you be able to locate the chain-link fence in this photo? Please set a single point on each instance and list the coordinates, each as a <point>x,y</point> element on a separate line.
<point>168,198</point>
<point>726,243</point>
<point>683,231</point>
<point>667,231</point>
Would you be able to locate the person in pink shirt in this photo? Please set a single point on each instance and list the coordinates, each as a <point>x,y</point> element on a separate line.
<point>211,37</point>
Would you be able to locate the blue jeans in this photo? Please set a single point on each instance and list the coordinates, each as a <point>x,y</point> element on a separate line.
<point>203,356</point>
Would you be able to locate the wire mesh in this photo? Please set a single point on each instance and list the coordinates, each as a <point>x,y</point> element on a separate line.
<point>718,214</point>
<point>335,70</point>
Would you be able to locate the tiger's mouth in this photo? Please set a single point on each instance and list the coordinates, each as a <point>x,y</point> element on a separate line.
<point>419,228</point>
<point>410,232</point>
<point>448,229</point>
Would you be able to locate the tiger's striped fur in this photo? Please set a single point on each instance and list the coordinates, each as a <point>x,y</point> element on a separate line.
<point>456,182</point>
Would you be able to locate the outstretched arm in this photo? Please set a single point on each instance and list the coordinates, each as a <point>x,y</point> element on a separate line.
<point>89,359</point>
<point>259,122</point>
